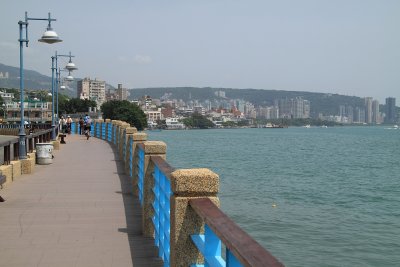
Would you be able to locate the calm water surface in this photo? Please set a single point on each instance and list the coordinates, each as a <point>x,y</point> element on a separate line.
<point>336,191</point>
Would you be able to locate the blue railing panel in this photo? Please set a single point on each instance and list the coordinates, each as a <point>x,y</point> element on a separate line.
<point>115,134</point>
<point>124,145</point>
<point>140,174</point>
<point>209,246</point>
<point>131,157</point>
<point>109,132</point>
<point>98,129</point>
<point>103,131</point>
<point>161,219</point>
<point>73,127</point>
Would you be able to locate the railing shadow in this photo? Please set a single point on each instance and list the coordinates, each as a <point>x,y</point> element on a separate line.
<point>143,250</point>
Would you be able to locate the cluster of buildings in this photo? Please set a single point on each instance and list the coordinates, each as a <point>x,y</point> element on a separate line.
<point>35,110</point>
<point>96,90</point>
<point>370,113</point>
<point>218,111</point>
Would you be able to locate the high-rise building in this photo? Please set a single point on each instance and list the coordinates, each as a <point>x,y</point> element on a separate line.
<point>297,108</point>
<point>375,112</point>
<point>368,109</point>
<point>359,115</point>
<point>92,90</point>
<point>391,115</point>
<point>121,93</point>
<point>350,114</point>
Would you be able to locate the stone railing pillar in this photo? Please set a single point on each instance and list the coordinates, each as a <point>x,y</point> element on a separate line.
<point>121,139</point>
<point>151,148</point>
<point>187,184</point>
<point>137,138</point>
<point>129,131</point>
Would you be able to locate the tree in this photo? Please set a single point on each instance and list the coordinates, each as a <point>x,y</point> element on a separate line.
<point>124,111</point>
<point>74,105</point>
<point>198,121</point>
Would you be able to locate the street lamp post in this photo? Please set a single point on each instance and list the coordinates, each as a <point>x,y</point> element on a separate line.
<point>61,85</point>
<point>49,37</point>
<point>54,83</point>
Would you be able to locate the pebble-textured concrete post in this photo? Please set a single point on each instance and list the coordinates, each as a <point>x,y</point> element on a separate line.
<point>129,134</point>
<point>187,184</point>
<point>120,139</point>
<point>138,138</point>
<point>151,148</point>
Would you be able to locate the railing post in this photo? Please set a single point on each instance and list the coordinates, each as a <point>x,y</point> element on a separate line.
<point>151,148</point>
<point>114,124</point>
<point>129,131</point>
<point>137,138</point>
<point>121,139</point>
<point>188,184</point>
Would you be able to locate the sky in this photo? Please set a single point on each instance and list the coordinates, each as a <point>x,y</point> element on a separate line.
<point>349,47</point>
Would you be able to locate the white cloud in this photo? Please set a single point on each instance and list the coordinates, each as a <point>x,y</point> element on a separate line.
<point>141,59</point>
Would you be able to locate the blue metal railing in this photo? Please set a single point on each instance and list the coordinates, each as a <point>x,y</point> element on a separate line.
<point>73,127</point>
<point>210,247</point>
<point>109,132</point>
<point>124,145</point>
<point>131,157</point>
<point>161,219</point>
<point>98,129</point>
<point>115,134</point>
<point>103,131</point>
<point>140,173</point>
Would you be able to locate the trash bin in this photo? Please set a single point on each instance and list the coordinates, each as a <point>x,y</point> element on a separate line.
<point>44,153</point>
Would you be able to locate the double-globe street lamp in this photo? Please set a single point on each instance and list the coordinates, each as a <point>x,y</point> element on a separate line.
<point>60,84</point>
<point>54,67</point>
<point>49,37</point>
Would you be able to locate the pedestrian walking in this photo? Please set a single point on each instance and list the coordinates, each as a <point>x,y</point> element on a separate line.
<point>69,124</point>
<point>88,123</point>
<point>81,125</point>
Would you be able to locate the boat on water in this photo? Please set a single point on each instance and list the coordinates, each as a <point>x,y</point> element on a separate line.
<point>270,125</point>
<point>307,126</point>
<point>324,126</point>
<point>395,126</point>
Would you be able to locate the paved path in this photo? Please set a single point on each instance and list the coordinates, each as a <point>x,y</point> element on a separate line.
<point>77,211</point>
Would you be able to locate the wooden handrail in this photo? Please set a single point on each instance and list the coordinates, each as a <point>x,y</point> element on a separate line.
<point>163,165</point>
<point>248,251</point>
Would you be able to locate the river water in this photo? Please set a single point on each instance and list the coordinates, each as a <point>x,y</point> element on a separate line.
<point>312,197</point>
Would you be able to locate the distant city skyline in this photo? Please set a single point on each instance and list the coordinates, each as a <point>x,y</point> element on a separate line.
<point>343,47</point>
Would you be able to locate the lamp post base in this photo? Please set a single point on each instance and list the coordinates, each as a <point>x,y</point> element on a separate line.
<point>22,144</point>
<point>53,132</point>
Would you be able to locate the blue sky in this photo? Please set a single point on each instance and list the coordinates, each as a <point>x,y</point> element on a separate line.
<point>348,47</point>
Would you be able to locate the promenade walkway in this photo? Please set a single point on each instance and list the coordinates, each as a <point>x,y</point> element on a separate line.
<point>77,211</point>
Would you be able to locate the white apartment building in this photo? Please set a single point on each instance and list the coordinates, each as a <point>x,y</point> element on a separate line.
<point>92,90</point>
<point>173,123</point>
<point>154,115</point>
